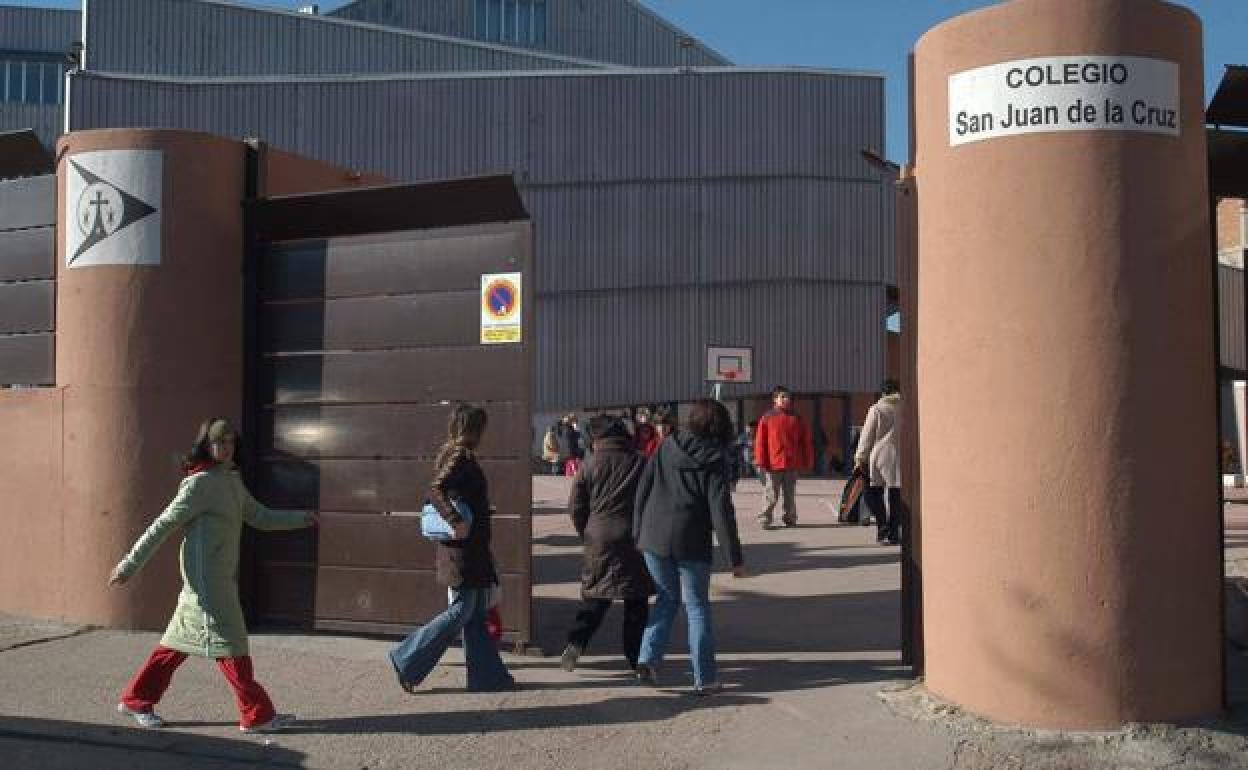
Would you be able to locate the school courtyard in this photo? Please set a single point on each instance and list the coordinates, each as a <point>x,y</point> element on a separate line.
<point>808,650</point>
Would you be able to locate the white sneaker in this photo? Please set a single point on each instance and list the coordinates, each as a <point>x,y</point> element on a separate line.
<point>710,688</point>
<point>146,719</point>
<point>278,722</point>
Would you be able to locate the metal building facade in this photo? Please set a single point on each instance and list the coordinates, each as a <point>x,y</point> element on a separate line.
<point>37,29</point>
<point>672,209</point>
<point>205,37</point>
<point>35,34</point>
<point>619,31</point>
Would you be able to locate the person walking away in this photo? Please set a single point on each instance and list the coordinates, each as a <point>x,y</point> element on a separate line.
<point>877,456</point>
<point>645,438</point>
<point>682,497</point>
<point>210,507</point>
<point>747,452</point>
<point>601,508</point>
<point>664,424</point>
<point>570,451</point>
<point>782,448</point>
<point>463,564</point>
<point>550,450</point>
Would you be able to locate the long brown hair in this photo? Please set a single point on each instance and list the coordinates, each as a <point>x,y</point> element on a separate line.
<point>463,431</point>
<point>201,450</point>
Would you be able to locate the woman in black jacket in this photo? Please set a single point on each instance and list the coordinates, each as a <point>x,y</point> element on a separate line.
<point>684,496</point>
<point>601,507</point>
<point>464,565</point>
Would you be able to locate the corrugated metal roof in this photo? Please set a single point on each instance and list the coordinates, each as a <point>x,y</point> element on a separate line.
<point>210,38</point>
<point>44,30</point>
<point>619,31</point>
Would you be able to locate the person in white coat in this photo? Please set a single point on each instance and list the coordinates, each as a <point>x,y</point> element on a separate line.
<point>877,457</point>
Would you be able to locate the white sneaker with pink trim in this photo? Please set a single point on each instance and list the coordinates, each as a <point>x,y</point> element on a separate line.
<point>146,719</point>
<point>277,723</point>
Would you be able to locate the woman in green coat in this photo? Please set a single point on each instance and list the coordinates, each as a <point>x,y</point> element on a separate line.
<point>211,505</point>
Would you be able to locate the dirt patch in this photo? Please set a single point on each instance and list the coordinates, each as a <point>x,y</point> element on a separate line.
<point>982,745</point>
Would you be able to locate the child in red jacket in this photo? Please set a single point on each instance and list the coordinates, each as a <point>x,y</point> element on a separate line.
<point>782,447</point>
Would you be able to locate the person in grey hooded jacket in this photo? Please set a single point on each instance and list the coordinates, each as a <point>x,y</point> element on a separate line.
<point>682,498</point>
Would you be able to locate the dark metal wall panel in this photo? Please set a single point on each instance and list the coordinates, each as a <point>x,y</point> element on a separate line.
<point>431,319</point>
<point>618,31</point>
<point>380,264</point>
<point>28,202</point>
<point>1231,312</point>
<point>383,430</point>
<point>27,359</point>
<point>371,485</point>
<point>45,119</point>
<point>353,433</point>
<point>387,376</point>
<point>397,599</point>
<point>28,254</point>
<point>202,37</point>
<point>384,540</point>
<point>42,30</point>
<point>29,306</point>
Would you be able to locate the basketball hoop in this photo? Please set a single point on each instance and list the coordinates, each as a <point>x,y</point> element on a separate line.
<point>724,364</point>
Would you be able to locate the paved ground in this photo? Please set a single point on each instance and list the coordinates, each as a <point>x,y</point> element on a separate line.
<point>806,647</point>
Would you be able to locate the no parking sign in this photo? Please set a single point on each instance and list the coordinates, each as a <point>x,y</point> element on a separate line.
<point>501,309</point>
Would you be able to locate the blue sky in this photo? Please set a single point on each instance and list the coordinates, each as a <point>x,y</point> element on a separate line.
<point>871,35</point>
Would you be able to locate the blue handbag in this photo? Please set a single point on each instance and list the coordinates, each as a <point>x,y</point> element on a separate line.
<point>434,527</point>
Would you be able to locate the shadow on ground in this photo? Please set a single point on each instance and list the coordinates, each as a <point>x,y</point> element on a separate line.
<point>54,743</point>
<point>748,620</point>
<point>609,711</point>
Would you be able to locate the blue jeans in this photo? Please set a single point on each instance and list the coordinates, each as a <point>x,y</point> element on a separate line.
<point>690,580</point>
<point>416,655</point>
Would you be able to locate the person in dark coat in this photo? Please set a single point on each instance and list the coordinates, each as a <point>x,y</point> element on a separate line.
<point>568,437</point>
<point>464,565</point>
<point>601,507</point>
<point>683,496</point>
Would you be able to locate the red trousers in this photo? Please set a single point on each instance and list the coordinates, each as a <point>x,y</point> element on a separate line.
<point>147,687</point>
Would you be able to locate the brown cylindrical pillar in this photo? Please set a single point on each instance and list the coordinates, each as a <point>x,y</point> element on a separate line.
<point>1066,366</point>
<point>149,342</point>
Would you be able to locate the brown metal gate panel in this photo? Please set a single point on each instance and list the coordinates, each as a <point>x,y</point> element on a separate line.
<point>27,276</point>
<point>364,343</point>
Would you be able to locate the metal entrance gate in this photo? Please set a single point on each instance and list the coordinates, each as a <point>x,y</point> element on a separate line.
<point>367,329</point>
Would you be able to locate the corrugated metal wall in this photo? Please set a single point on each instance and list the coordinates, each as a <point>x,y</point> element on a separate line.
<point>554,128</point>
<point>670,210</point>
<point>197,37</point>
<point>615,348</point>
<point>618,31</point>
<point>42,30</point>
<point>45,119</point>
<point>1231,313</point>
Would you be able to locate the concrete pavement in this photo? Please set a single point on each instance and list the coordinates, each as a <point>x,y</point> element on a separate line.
<point>806,645</point>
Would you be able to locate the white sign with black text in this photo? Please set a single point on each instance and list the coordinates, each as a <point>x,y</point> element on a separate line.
<point>112,208</point>
<point>1064,93</point>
